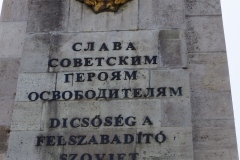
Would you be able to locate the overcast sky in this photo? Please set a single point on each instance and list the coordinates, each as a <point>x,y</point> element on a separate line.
<point>231,19</point>
<point>0,6</point>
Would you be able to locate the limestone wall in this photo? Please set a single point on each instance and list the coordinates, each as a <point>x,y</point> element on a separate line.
<point>212,114</point>
<point>13,24</point>
<point>186,37</point>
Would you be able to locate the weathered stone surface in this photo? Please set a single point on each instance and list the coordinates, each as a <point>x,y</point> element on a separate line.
<point>213,132</point>
<point>82,18</point>
<point>171,78</point>
<point>35,53</point>
<point>145,42</point>
<point>217,105</point>
<point>26,116</point>
<point>203,7</point>
<point>217,123</point>
<point>8,77</point>
<point>2,157</point>
<point>46,16</point>
<point>28,83</point>
<point>214,139</point>
<point>24,143</point>
<point>14,10</point>
<point>173,48</point>
<point>176,113</point>
<point>6,107</point>
<point>4,134</point>
<point>12,38</point>
<point>76,12</point>
<point>161,14</point>
<point>178,146</point>
<point>216,154</point>
<point>209,72</point>
<point>205,34</point>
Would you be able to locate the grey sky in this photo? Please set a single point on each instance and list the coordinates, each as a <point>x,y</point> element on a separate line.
<point>231,11</point>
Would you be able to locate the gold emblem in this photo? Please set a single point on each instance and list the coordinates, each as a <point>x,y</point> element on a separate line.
<point>104,5</point>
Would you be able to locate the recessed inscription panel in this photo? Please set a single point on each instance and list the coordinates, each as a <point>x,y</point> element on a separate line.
<point>107,97</point>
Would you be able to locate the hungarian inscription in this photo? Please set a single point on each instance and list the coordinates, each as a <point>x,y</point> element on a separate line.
<point>99,139</point>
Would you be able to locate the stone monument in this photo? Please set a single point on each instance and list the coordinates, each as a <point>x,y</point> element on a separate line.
<point>114,80</point>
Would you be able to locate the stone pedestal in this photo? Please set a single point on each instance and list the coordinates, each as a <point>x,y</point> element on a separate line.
<point>146,82</point>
